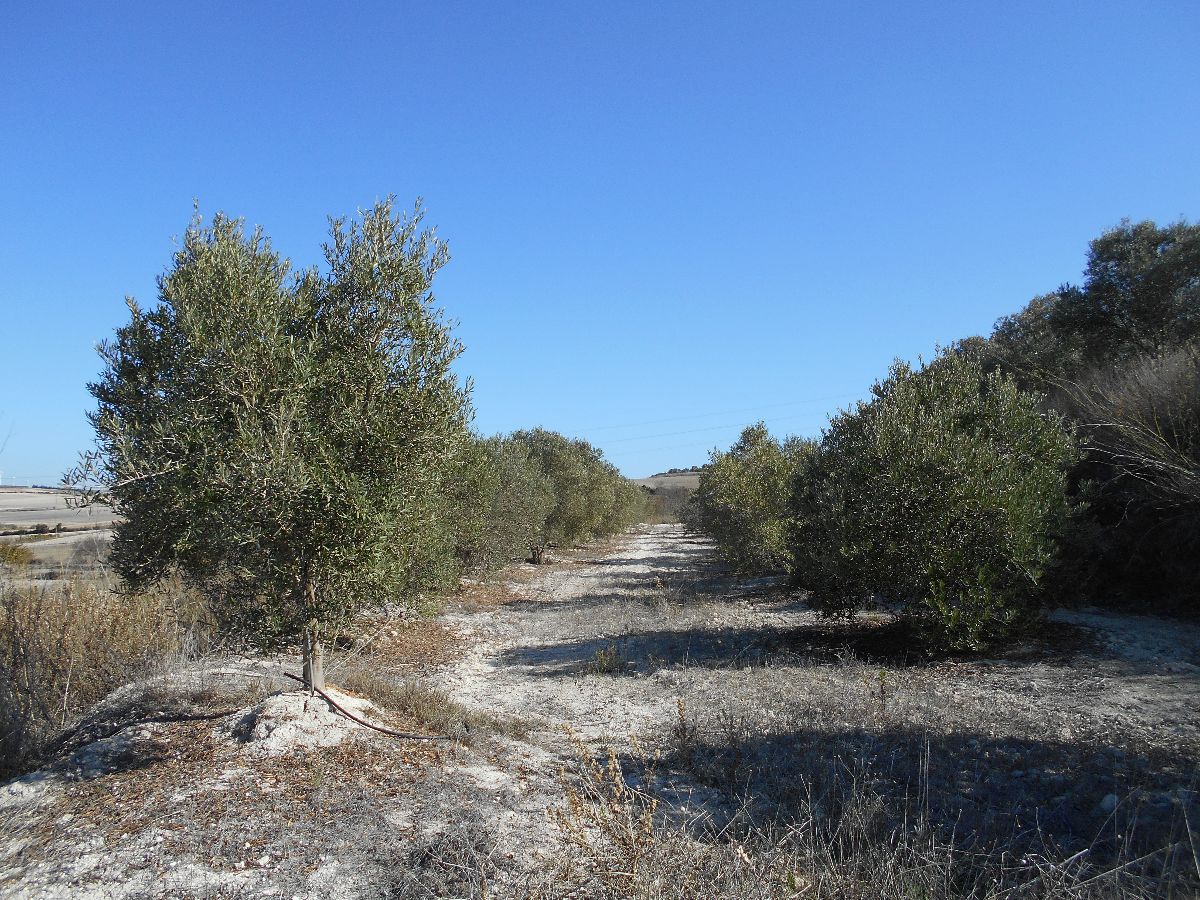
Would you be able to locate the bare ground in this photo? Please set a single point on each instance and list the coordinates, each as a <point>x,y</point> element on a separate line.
<point>22,508</point>
<point>736,718</point>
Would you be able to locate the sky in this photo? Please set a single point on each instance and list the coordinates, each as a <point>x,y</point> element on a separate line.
<point>666,220</point>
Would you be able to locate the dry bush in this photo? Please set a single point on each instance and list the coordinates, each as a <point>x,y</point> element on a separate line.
<point>65,647</point>
<point>425,705</point>
<point>14,555</point>
<point>609,660</point>
<point>1144,420</point>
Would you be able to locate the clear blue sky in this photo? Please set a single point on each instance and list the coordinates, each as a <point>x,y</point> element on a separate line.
<point>666,220</point>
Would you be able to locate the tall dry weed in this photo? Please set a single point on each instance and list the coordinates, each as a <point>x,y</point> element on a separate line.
<point>623,843</point>
<point>14,556</point>
<point>65,646</point>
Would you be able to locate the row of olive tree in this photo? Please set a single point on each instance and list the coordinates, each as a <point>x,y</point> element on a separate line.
<point>941,495</point>
<point>527,491</point>
<point>958,490</point>
<point>297,444</point>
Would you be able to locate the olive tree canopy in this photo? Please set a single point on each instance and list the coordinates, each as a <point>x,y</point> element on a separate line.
<point>282,438</point>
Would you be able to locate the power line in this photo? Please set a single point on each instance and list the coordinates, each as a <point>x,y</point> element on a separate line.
<point>630,451</point>
<point>646,437</point>
<point>727,412</point>
<point>640,450</point>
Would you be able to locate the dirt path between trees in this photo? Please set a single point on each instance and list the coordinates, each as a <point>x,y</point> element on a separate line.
<point>609,644</point>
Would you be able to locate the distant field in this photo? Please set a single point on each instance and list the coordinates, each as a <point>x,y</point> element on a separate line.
<point>30,507</point>
<point>689,480</point>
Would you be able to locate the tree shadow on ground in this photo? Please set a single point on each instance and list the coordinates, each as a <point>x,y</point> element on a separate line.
<point>665,588</point>
<point>1023,794</point>
<point>882,640</point>
<point>648,651</point>
<point>607,600</point>
<point>676,559</point>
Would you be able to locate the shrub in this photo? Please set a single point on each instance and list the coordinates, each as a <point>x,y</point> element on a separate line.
<point>742,500</point>
<point>14,555</point>
<point>944,494</point>
<point>1142,422</point>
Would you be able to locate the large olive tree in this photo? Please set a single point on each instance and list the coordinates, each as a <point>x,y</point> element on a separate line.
<point>943,494</point>
<point>283,438</point>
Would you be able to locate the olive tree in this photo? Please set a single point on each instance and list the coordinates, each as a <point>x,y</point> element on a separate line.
<point>742,499</point>
<point>944,494</point>
<point>284,439</point>
<point>505,499</point>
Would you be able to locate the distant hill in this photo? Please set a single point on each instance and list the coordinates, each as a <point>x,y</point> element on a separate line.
<point>684,478</point>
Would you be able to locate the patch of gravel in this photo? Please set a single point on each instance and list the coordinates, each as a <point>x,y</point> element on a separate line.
<point>295,720</point>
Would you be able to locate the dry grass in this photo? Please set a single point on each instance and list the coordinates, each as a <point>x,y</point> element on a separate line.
<point>63,649</point>
<point>626,844</point>
<point>14,555</point>
<point>478,596</point>
<point>858,781</point>
<point>407,646</point>
<point>429,707</point>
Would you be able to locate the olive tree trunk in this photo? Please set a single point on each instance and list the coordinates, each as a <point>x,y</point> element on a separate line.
<point>314,661</point>
<point>313,671</point>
